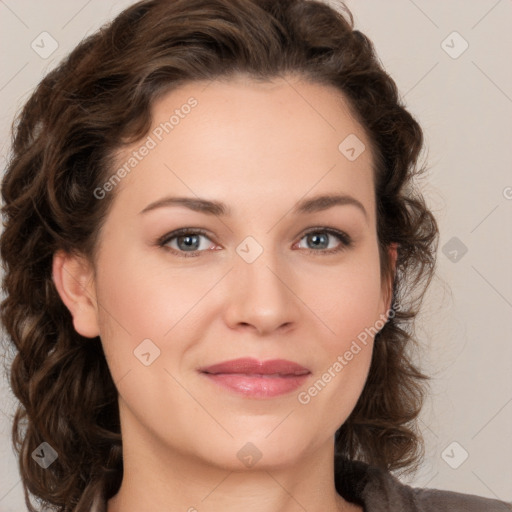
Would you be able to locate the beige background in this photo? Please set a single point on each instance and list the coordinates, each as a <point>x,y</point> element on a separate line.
<point>464,103</point>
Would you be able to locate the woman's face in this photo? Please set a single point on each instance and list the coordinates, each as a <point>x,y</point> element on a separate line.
<point>267,278</point>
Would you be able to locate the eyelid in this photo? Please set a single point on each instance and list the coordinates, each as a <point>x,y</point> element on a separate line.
<point>342,235</point>
<point>182,232</point>
<point>165,239</point>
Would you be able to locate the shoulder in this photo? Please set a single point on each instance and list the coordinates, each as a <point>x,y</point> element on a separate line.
<point>436,499</point>
<point>379,490</point>
<point>400,496</point>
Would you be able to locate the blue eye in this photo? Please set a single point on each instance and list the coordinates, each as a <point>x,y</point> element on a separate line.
<point>319,237</point>
<point>188,241</point>
<point>186,238</point>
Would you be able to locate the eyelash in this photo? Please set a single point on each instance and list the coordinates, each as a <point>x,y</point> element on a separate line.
<point>345,240</point>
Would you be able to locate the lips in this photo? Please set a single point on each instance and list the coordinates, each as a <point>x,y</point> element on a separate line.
<point>257,379</point>
<point>249,366</point>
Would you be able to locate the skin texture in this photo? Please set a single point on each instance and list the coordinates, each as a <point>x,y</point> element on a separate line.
<point>259,148</point>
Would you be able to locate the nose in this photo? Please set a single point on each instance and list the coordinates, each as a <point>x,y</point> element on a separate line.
<point>261,296</point>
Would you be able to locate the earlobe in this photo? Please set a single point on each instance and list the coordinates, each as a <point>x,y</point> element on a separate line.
<point>73,279</point>
<point>393,256</point>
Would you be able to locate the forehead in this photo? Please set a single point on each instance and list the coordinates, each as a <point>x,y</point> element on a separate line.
<point>212,138</point>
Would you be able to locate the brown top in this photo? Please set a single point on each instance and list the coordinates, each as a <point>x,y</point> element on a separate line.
<point>380,491</point>
<point>377,490</point>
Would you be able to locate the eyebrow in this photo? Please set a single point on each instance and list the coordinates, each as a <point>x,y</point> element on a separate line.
<point>209,207</point>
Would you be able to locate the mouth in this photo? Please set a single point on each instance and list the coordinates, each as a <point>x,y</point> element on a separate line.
<point>257,379</point>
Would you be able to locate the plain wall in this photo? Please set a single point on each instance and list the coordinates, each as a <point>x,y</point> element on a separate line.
<point>464,104</point>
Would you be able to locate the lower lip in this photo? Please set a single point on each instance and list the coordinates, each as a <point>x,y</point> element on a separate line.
<point>257,386</point>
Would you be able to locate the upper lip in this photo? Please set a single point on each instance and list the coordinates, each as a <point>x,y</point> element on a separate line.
<point>247,365</point>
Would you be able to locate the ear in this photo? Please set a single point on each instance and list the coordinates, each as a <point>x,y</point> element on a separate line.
<point>73,277</point>
<point>388,284</point>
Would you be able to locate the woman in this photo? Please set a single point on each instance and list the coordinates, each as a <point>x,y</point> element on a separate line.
<point>268,371</point>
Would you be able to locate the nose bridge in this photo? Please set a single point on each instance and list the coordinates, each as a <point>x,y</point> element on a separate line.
<point>260,291</point>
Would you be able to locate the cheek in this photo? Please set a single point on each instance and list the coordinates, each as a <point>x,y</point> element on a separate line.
<point>350,306</point>
<point>353,316</point>
<point>140,301</point>
<point>348,300</point>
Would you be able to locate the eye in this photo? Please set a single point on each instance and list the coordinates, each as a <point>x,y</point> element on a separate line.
<point>319,238</point>
<point>187,241</point>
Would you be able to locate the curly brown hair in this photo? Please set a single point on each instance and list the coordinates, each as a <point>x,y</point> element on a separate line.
<point>98,99</point>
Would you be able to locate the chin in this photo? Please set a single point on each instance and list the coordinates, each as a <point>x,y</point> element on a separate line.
<point>258,452</point>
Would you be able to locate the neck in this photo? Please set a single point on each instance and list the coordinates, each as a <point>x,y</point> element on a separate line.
<point>155,479</point>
